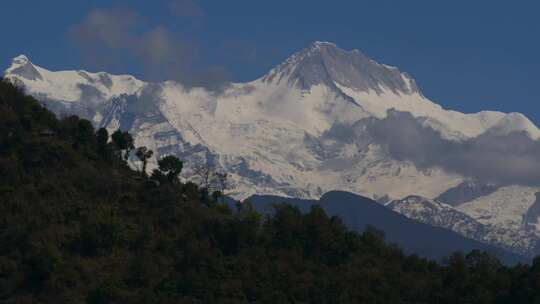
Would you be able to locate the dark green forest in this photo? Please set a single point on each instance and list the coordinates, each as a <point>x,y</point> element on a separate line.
<point>77,225</point>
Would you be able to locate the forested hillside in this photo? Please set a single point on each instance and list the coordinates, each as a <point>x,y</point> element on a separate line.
<point>413,237</point>
<point>77,225</point>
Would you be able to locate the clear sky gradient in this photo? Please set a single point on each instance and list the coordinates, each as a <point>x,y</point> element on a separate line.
<point>465,55</point>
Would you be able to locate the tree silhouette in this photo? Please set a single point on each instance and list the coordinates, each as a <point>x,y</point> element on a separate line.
<point>205,174</point>
<point>102,138</point>
<point>85,131</point>
<point>170,166</point>
<point>222,182</point>
<point>123,141</point>
<point>143,154</point>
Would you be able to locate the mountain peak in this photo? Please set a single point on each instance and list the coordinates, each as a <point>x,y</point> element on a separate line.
<point>325,63</point>
<point>22,67</point>
<point>327,48</point>
<point>323,44</point>
<point>20,60</point>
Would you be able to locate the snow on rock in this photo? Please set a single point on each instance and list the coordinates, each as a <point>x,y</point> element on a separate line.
<point>70,86</point>
<point>514,122</point>
<point>504,207</point>
<point>435,213</point>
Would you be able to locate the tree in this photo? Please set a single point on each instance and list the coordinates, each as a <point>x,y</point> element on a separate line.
<point>205,174</point>
<point>171,166</point>
<point>221,179</point>
<point>102,137</point>
<point>123,141</point>
<point>85,131</point>
<point>143,154</point>
<point>117,139</point>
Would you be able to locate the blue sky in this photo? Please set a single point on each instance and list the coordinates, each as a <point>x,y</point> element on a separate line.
<point>465,55</point>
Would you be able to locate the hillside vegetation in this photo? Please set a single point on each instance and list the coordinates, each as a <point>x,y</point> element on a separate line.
<point>77,225</point>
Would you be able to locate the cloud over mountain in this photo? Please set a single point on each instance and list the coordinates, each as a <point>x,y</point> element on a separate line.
<point>512,158</point>
<point>109,37</point>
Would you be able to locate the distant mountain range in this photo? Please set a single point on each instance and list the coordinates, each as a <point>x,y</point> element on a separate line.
<point>360,212</point>
<point>325,119</point>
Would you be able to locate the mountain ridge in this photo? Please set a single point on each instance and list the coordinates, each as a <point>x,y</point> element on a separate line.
<point>325,62</point>
<point>359,212</point>
<point>438,214</point>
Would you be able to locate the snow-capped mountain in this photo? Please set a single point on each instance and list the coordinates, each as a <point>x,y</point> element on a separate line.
<point>300,130</point>
<point>71,86</point>
<point>433,212</point>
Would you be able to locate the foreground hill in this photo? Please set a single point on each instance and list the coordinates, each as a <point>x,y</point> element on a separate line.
<point>77,225</point>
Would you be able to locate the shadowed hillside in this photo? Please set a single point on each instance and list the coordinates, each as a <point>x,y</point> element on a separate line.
<point>414,237</point>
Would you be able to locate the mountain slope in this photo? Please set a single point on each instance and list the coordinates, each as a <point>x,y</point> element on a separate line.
<point>359,212</point>
<point>435,213</point>
<point>70,86</point>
